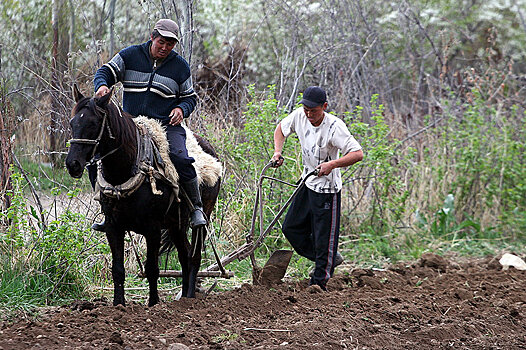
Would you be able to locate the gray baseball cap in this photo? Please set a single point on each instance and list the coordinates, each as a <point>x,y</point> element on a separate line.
<point>167,28</point>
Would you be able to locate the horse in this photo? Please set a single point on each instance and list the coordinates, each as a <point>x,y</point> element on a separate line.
<point>100,127</point>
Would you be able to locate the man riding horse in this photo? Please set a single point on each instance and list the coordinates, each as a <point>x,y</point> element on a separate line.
<point>158,84</point>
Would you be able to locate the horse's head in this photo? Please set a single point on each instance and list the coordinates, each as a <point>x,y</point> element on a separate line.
<point>87,126</point>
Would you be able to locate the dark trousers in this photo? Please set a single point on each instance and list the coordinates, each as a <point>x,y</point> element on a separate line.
<point>312,226</point>
<point>176,136</point>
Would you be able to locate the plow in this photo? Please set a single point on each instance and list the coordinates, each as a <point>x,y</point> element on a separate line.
<point>276,266</point>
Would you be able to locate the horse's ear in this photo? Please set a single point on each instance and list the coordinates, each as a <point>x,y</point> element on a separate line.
<point>104,100</point>
<point>77,95</point>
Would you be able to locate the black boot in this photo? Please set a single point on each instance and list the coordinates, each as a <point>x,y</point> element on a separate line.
<point>99,226</point>
<point>197,218</point>
<point>338,260</point>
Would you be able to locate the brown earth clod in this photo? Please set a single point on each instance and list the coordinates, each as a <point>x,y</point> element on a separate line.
<point>425,305</point>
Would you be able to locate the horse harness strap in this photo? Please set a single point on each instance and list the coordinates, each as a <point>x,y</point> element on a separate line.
<point>101,112</point>
<point>148,165</point>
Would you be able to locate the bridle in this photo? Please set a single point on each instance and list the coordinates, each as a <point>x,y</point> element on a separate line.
<point>101,112</point>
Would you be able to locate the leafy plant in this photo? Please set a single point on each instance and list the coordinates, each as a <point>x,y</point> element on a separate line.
<point>383,187</point>
<point>44,263</point>
<point>485,162</point>
<point>224,337</point>
<point>444,222</point>
<point>15,217</point>
<point>246,155</point>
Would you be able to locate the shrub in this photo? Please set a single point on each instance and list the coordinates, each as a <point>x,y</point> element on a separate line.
<point>43,262</point>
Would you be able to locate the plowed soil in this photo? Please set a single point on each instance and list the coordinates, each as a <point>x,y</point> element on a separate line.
<point>430,304</point>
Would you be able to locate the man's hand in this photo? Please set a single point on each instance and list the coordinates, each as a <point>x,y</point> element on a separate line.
<point>103,90</point>
<point>277,159</point>
<point>176,116</point>
<point>348,159</point>
<point>325,168</point>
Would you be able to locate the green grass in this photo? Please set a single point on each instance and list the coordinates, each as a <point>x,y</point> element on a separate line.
<point>23,288</point>
<point>44,177</point>
<point>379,251</point>
<point>43,263</point>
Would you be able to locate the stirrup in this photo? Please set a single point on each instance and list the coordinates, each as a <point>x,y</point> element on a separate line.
<point>197,218</point>
<point>99,226</point>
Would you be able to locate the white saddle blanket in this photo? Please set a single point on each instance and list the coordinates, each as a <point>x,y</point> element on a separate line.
<point>208,168</point>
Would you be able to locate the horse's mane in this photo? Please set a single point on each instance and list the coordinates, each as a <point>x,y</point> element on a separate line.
<point>121,124</point>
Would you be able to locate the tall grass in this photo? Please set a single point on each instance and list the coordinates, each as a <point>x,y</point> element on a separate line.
<point>44,261</point>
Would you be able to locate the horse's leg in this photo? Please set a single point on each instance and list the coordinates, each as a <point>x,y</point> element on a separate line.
<point>198,236</point>
<point>116,242</point>
<point>153,242</point>
<point>183,251</point>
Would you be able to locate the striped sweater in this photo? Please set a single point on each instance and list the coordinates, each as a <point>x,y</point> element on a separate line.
<point>148,90</point>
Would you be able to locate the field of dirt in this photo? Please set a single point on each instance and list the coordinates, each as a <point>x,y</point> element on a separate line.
<point>432,303</point>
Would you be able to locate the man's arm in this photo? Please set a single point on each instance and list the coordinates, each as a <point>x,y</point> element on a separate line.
<point>187,103</point>
<point>279,141</point>
<point>348,159</point>
<point>187,96</point>
<point>107,75</point>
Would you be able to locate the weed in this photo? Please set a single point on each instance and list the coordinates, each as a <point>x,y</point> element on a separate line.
<point>42,262</point>
<point>419,282</point>
<point>225,337</point>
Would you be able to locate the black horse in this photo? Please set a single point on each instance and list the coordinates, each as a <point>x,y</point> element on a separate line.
<point>100,127</point>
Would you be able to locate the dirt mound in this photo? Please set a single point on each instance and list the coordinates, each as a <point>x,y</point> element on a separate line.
<point>433,304</point>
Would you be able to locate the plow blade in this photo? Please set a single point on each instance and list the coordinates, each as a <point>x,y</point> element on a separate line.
<point>274,270</point>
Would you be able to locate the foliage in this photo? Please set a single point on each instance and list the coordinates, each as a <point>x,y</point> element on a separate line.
<point>381,183</point>
<point>501,15</point>
<point>247,154</point>
<point>43,263</point>
<point>381,161</point>
<point>486,155</point>
<point>444,223</point>
<point>16,215</point>
<point>44,177</point>
<point>225,337</point>
<point>476,168</point>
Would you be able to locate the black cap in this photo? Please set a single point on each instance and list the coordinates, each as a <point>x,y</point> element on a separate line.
<point>314,96</point>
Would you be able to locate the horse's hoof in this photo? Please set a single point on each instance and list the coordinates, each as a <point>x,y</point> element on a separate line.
<point>153,302</point>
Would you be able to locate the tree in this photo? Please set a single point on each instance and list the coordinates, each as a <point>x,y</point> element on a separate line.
<point>5,144</point>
